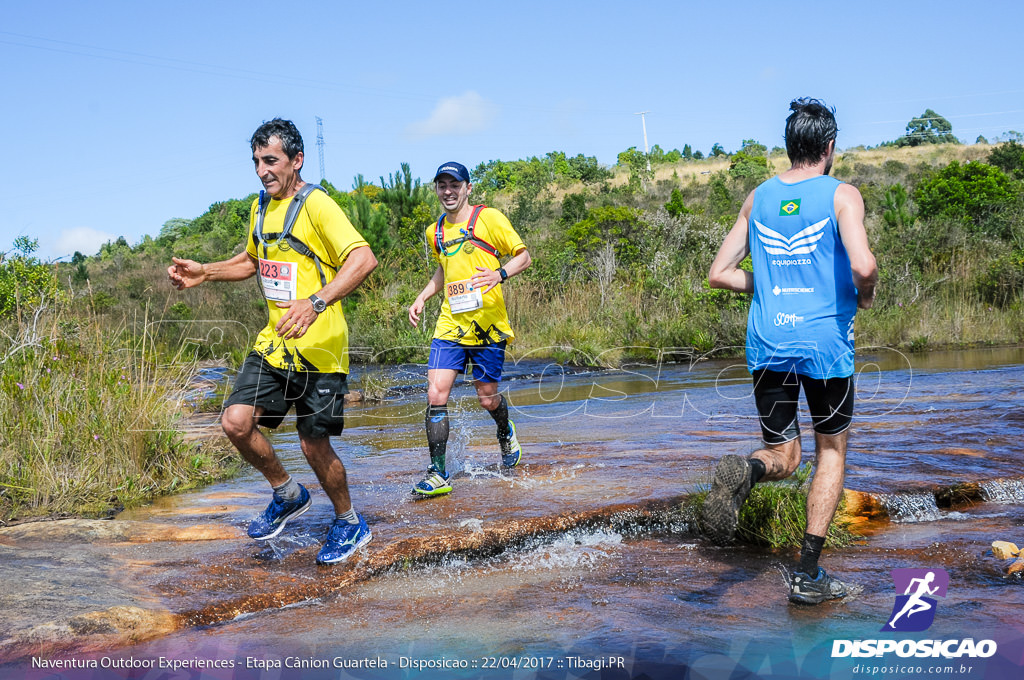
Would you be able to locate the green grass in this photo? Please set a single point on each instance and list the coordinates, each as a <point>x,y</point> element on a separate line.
<point>92,419</point>
<point>775,514</point>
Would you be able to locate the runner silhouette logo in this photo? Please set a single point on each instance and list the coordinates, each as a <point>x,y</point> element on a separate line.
<point>914,610</point>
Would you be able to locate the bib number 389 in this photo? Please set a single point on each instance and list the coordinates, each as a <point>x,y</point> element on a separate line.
<point>463,297</point>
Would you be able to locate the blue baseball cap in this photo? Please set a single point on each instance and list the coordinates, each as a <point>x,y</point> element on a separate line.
<point>456,170</point>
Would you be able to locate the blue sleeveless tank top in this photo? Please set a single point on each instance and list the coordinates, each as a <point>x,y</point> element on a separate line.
<point>801,318</point>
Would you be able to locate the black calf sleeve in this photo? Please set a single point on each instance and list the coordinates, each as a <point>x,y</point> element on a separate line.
<point>500,416</point>
<point>437,435</point>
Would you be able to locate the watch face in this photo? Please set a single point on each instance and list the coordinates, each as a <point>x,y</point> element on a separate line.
<point>318,304</point>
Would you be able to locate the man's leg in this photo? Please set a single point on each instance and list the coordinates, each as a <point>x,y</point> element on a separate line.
<point>823,497</point>
<point>488,364</point>
<point>831,405</point>
<point>329,469</point>
<point>435,421</point>
<point>827,485</point>
<point>776,395</point>
<point>810,584</point>
<point>439,386</point>
<point>497,406</point>
<point>780,460</point>
<point>239,424</point>
<point>290,498</point>
<point>349,530</point>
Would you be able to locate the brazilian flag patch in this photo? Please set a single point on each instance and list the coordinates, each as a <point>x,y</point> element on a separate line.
<point>790,207</point>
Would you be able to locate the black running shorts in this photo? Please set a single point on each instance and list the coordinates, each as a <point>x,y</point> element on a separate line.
<point>777,394</point>
<point>319,398</point>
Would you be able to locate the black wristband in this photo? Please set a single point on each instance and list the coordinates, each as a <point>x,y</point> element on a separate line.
<point>503,274</point>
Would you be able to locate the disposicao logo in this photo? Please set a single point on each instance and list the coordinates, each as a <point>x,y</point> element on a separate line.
<point>914,611</point>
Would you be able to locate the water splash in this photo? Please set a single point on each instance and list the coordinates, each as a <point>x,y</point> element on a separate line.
<point>460,433</point>
<point>573,550</point>
<point>276,549</point>
<point>911,507</point>
<point>1003,490</point>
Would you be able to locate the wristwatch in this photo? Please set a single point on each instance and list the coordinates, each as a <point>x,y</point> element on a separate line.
<point>318,305</point>
<point>503,274</point>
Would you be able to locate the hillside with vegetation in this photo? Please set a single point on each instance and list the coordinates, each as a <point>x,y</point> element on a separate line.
<point>620,254</point>
<point>93,351</point>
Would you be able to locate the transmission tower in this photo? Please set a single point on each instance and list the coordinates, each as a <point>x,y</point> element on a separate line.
<point>320,144</point>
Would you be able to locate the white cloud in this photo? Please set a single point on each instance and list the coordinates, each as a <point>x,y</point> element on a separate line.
<point>462,115</point>
<point>85,240</point>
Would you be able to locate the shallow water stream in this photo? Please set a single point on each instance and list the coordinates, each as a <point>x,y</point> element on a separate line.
<point>572,565</point>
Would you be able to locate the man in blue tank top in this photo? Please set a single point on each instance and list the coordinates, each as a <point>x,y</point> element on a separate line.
<point>812,269</point>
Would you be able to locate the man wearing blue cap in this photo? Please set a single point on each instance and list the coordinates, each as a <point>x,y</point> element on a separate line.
<point>468,242</point>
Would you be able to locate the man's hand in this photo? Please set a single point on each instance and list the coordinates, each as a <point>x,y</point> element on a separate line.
<point>297,320</point>
<point>866,298</point>
<point>185,273</point>
<point>189,273</point>
<point>415,310</point>
<point>485,278</point>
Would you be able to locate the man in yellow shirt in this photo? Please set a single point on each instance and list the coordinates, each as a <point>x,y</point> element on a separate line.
<point>308,257</point>
<point>468,242</point>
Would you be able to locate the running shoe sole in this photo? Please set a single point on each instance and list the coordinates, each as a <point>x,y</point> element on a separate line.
<point>731,486</point>
<point>284,520</point>
<point>442,491</point>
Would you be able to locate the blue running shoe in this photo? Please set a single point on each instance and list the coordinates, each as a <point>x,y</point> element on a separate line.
<point>436,483</point>
<point>272,521</point>
<point>344,539</point>
<point>511,451</point>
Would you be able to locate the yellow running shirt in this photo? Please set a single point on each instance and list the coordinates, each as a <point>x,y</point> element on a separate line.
<point>284,274</point>
<point>489,323</point>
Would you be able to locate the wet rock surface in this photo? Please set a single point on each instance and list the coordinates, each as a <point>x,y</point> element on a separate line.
<point>584,540</point>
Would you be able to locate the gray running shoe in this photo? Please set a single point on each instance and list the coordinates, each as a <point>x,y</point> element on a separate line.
<point>806,590</point>
<point>721,511</point>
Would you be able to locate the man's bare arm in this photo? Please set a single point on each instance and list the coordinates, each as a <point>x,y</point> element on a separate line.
<point>850,212</point>
<point>435,284</point>
<point>489,278</point>
<point>189,273</point>
<point>301,315</point>
<point>725,270</point>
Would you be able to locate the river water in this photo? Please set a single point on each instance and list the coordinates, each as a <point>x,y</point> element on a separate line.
<point>574,564</point>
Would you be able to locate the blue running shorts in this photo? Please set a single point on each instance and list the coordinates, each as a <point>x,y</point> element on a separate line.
<point>487,360</point>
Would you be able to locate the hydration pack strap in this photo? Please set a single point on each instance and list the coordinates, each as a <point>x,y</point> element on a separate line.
<point>441,245</point>
<point>290,216</point>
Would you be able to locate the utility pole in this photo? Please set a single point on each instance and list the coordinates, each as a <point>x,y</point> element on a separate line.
<point>320,144</point>
<point>647,151</point>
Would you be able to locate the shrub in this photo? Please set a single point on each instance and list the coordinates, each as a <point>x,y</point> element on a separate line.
<point>1009,158</point>
<point>24,280</point>
<point>973,192</point>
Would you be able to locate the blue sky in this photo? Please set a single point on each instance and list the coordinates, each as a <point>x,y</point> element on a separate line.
<point>120,116</point>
